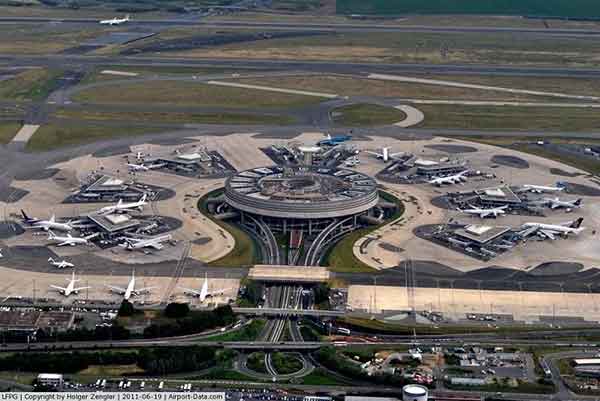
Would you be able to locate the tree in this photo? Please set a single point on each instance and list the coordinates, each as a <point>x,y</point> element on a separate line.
<point>321,292</point>
<point>126,308</point>
<point>177,310</point>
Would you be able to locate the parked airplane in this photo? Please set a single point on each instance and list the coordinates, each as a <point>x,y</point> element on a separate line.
<point>115,21</point>
<point>541,188</point>
<point>352,161</point>
<point>46,225</point>
<point>143,167</point>
<point>492,212</point>
<point>552,230</point>
<point>204,292</point>
<point>70,288</point>
<point>61,265</point>
<point>139,243</point>
<point>557,203</point>
<point>450,179</point>
<point>130,290</point>
<point>458,242</point>
<point>385,154</point>
<point>69,239</point>
<point>120,206</point>
<point>335,140</point>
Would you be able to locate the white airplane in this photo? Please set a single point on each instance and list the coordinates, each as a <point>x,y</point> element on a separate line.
<point>557,203</point>
<point>69,239</point>
<point>70,288</point>
<point>482,213</point>
<point>61,265</point>
<point>552,230</point>
<point>139,243</point>
<point>120,206</point>
<point>143,167</point>
<point>204,292</point>
<point>450,179</point>
<point>115,21</point>
<point>385,154</point>
<point>130,290</point>
<point>541,188</point>
<point>1,255</point>
<point>46,225</point>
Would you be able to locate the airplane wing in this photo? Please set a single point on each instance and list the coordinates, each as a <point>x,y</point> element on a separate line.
<point>554,205</point>
<point>484,213</point>
<point>190,290</point>
<point>528,231</point>
<point>56,287</point>
<point>373,153</point>
<point>116,289</point>
<point>145,289</point>
<point>81,288</point>
<point>221,291</point>
<point>548,234</point>
<point>65,243</point>
<point>156,245</point>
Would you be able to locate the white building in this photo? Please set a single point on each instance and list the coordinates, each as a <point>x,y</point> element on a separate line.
<point>50,379</point>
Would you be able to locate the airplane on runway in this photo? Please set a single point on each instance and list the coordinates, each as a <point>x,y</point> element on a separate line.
<point>61,265</point>
<point>450,179</point>
<point>385,154</point>
<point>541,188</point>
<point>204,292</point>
<point>69,239</point>
<point>46,225</point>
<point>70,288</point>
<point>334,140</point>
<point>130,290</point>
<point>482,213</point>
<point>124,207</point>
<point>143,167</point>
<point>139,243</point>
<point>557,203</point>
<point>115,21</point>
<point>550,231</point>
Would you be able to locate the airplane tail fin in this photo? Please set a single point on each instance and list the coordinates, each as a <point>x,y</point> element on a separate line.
<point>578,202</point>
<point>577,223</point>
<point>50,260</point>
<point>51,234</point>
<point>25,217</point>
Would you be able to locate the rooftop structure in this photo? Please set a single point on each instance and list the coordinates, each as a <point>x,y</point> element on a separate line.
<point>481,234</point>
<point>301,193</point>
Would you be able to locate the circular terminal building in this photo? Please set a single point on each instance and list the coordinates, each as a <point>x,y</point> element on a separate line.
<point>306,198</point>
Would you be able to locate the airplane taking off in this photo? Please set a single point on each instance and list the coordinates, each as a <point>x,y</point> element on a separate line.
<point>385,154</point>
<point>115,21</point>
<point>204,292</point>
<point>61,265</point>
<point>130,290</point>
<point>120,206</point>
<point>334,140</point>
<point>450,179</point>
<point>46,225</point>
<point>552,230</point>
<point>482,213</point>
<point>541,188</point>
<point>69,239</point>
<point>557,203</point>
<point>139,243</point>
<point>70,288</point>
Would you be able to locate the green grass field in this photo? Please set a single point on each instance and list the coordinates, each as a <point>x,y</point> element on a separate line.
<point>559,8</point>
<point>364,114</point>
<point>191,94</point>
<point>8,130</point>
<point>509,118</point>
<point>34,84</point>
<point>178,117</point>
<point>56,135</point>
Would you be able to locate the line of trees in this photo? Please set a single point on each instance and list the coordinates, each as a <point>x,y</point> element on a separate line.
<point>152,360</point>
<point>193,322</point>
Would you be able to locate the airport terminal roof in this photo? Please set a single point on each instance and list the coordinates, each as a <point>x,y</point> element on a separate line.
<point>587,361</point>
<point>481,234</point>
<point>498,194</point>
<point>112,223</point>
<point>107,183</point>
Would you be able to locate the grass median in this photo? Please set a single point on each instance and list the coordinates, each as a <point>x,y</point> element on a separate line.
<point>364,114</point>
<point>189,93</point>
